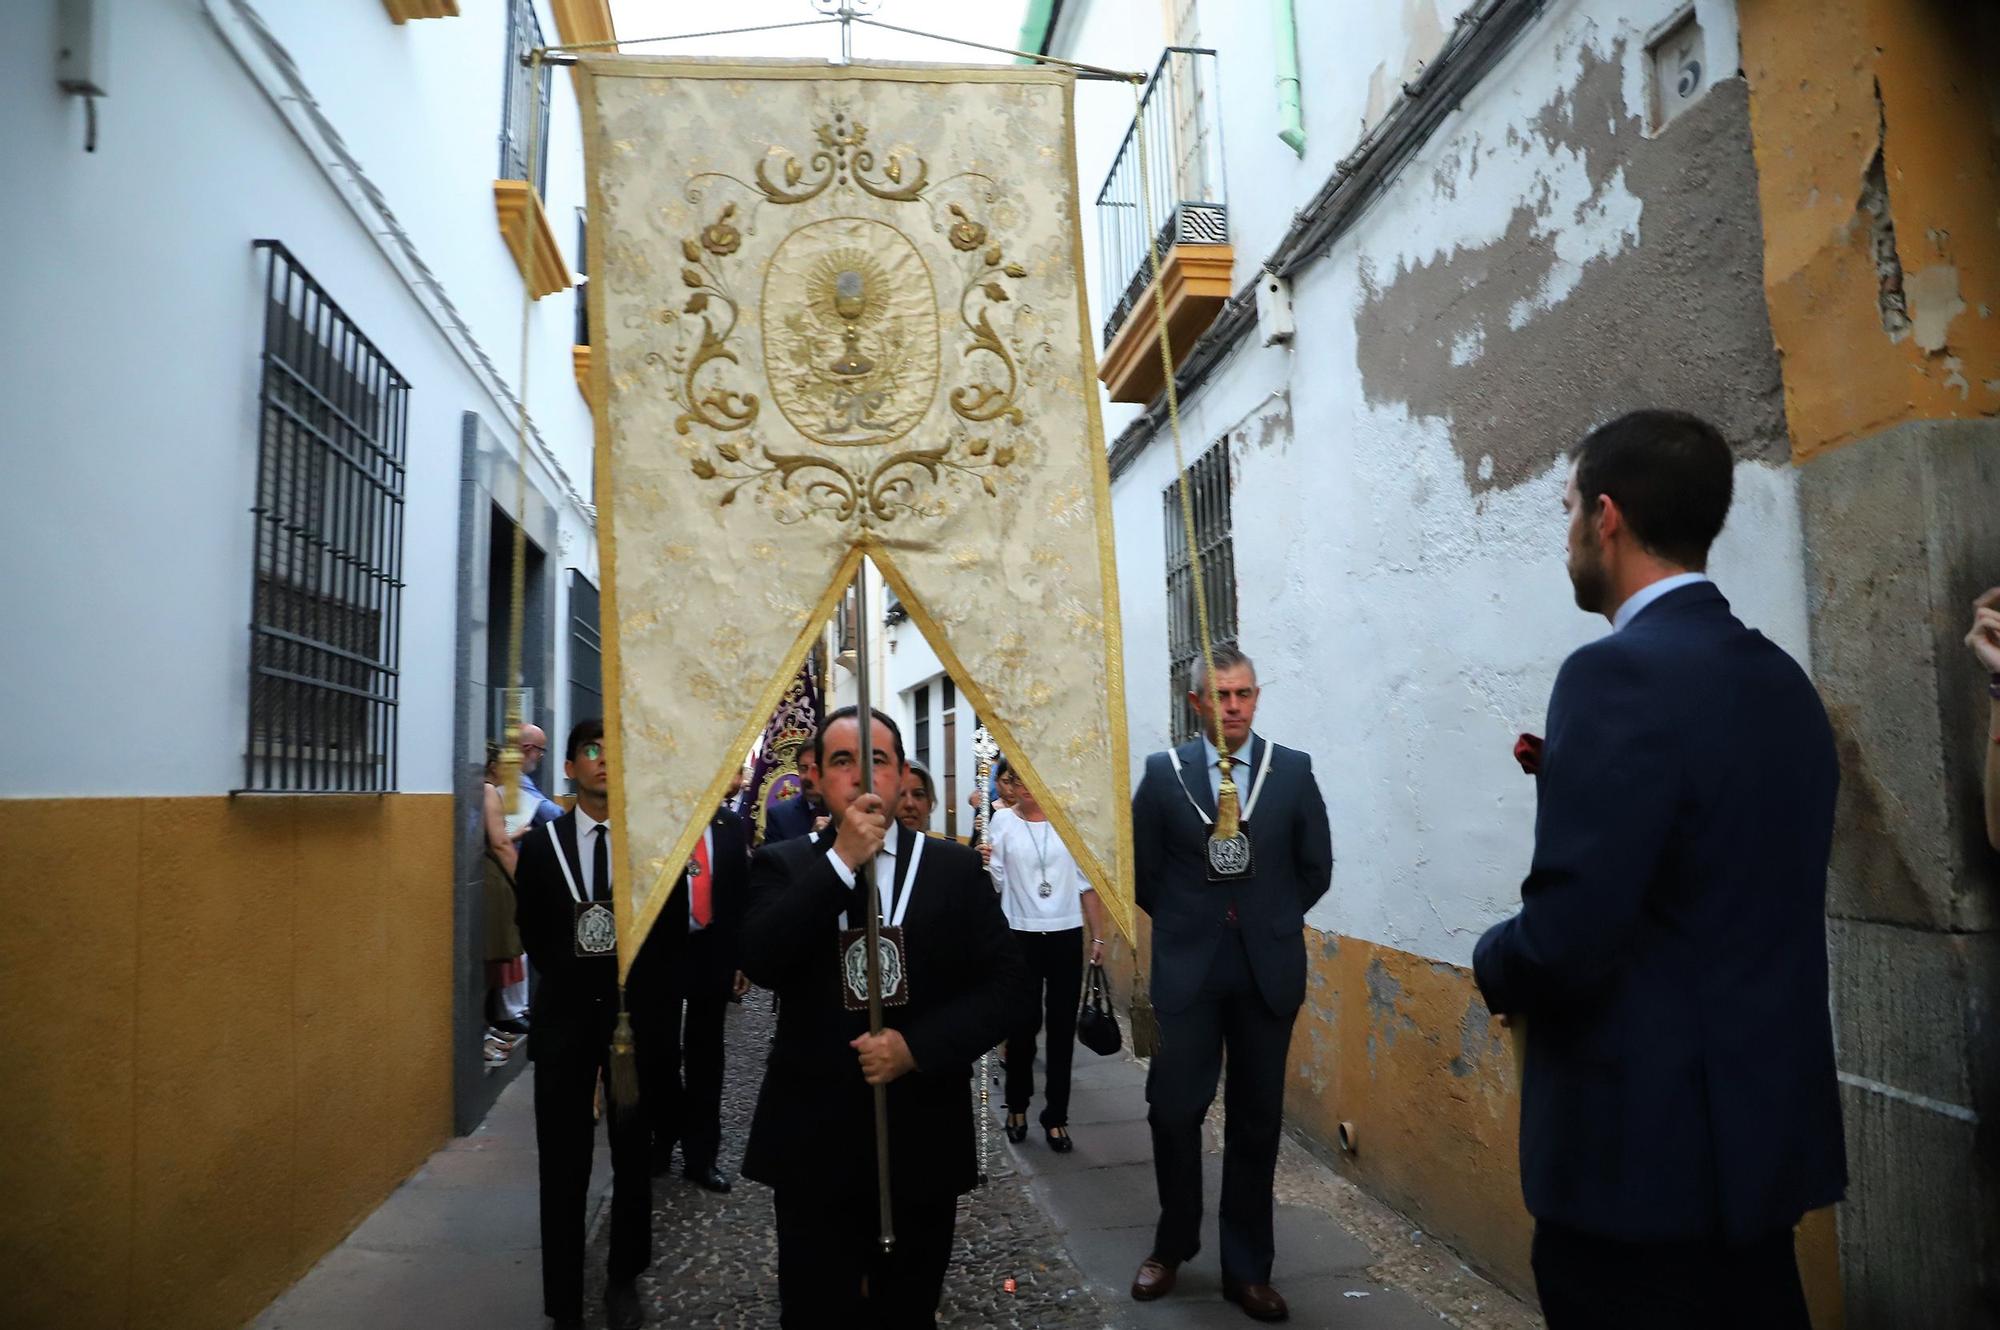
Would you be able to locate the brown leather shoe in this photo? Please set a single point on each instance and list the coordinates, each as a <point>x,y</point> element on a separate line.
<point>1155,1279</point>
<point>1260,1302</point>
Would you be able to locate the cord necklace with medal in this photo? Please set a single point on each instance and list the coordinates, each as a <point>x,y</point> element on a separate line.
<point>1043,889</point>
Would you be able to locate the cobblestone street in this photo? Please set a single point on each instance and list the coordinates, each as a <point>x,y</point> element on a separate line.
<point>457,1244</point>
<point>716,1257</point>
<point>1067,1230</point>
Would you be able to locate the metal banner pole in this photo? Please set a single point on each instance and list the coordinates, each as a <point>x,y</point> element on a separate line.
<point>984,750</point>
<point>864,717</point>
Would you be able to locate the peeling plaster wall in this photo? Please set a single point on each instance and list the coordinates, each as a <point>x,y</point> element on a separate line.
<point>1878,150</point>
<point>1399,543</point>
<point>1542,265</point>
<point>1878,153</point>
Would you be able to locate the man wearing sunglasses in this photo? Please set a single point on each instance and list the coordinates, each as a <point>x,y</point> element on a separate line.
<point>564,887</point>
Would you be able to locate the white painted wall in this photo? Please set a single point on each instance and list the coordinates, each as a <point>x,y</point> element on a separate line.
<point>133,328</point>
<point>912,664</point>
<point>1406,629</point>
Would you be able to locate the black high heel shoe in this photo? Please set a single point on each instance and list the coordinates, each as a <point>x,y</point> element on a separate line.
<point>1017,1127</point>
<point>1062,1144</point>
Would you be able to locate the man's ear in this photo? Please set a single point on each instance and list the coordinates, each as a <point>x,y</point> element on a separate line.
<point>1608,518</point>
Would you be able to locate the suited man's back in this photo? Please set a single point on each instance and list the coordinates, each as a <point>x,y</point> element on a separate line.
<point>1670,957</point>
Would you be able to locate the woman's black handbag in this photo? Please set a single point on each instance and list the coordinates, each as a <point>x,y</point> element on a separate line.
<point>1096,1027</point>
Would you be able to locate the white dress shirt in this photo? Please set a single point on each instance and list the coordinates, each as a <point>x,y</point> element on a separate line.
<point>1646,595</point>
<point>1239,768</point>
<point>1025,854</point>
<point>586,852</point>
<point>885,871</point>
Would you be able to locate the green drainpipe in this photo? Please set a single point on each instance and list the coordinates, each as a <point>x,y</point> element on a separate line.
<point>1035,26</point>
<point>1291,121</point>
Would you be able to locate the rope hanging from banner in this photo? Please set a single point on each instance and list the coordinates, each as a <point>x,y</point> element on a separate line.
<point>1226,827</point>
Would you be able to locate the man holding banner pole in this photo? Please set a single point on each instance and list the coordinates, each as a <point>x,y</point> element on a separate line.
<point>950,985</point>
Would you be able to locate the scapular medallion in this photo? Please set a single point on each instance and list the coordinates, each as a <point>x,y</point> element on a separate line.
<point>596,929</point>
<point>854,968</point>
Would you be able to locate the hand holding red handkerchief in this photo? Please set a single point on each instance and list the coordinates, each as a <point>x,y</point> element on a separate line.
<point>1528,752</point>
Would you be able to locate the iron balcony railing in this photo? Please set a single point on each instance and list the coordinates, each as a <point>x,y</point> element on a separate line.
<point>1179,185</point>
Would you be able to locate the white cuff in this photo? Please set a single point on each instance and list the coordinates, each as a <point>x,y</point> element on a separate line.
<point>840,867</point>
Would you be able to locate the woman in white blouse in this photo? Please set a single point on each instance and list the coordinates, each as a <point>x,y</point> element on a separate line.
<point>1047,900</point>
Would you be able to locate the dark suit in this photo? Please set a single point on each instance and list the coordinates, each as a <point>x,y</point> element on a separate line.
<point>576,1007</point>
<point>789,819</point>
<point>813,1136</point>
<point>681,1072</point>
<point>1228,971</point>
<point>1679,1106</point>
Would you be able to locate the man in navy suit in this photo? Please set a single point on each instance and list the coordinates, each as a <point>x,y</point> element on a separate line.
<point>1679,1112</point>
<point>1229,972</point>
<point>791,818</point>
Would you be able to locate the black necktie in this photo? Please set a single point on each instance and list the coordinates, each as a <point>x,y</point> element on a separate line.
<point>600,865</point>
<point>857,914</point>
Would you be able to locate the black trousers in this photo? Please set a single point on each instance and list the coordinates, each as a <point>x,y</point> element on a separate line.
<point>1587,1282</point>
<point>680,1066</point>
<point>828,1245</point>
<point>565,1090</point>
<point>1056,962</point>
<point>1229,1014</point>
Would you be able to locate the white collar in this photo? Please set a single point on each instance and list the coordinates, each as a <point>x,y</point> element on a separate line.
<point>585,824</point>
<point>1646,595</point>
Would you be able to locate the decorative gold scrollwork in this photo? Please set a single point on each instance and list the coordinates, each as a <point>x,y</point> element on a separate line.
<point>719,408</point>
<point>855,352</point>
<point>839,159</point>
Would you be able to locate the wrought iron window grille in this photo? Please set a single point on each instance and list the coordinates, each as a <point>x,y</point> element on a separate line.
<point>1208,484</point>
<point>326,587</point>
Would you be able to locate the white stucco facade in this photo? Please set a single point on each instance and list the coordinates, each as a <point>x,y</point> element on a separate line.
<point>1407,618</point>
<point>134,324</point>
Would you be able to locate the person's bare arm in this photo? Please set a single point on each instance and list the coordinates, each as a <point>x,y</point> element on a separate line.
<point>1984,639</point>
<point>1093,915</point>
<point>496,832</point>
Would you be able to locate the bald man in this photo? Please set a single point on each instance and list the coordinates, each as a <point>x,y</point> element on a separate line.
<point>533,808</point>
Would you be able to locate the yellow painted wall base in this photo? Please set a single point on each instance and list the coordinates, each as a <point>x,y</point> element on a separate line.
<point>1403,1048</point>
<point>231,1026</point>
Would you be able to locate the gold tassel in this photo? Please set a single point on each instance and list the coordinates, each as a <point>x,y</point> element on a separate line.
<point>1225,808</point>
<point>1145,1025</point>
<point>624,1064</point>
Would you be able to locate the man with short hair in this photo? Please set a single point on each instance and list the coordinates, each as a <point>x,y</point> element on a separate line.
<point>951,985</point>
<point>918,799</point>
<point>565,886</point>
<point>789,819</point>
<point>1228,972</point>
<point>1679,1105</point>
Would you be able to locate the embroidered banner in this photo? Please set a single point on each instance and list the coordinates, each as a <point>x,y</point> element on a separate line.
<point>836,312</point>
